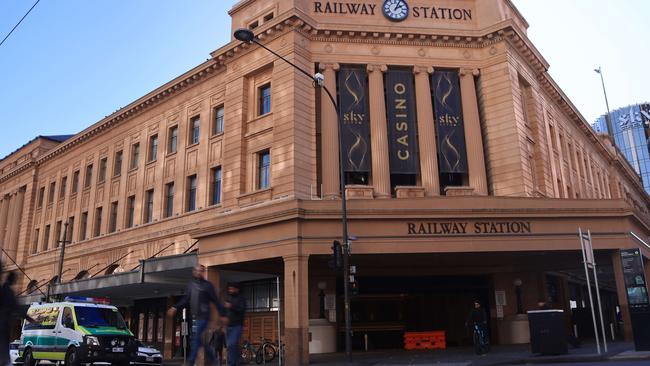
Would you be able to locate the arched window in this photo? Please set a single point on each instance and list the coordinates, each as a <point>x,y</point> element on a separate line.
<point>31,286</point>
<point>81,275</point>
<point>114,268</point>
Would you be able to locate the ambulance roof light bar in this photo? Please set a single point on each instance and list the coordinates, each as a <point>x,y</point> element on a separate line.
<point>89,300</point>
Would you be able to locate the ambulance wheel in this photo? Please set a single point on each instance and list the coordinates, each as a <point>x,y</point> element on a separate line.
<point>71,357</point>
<point>28,358</point>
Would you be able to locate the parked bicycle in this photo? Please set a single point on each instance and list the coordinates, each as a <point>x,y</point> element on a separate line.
<point>265,352</point>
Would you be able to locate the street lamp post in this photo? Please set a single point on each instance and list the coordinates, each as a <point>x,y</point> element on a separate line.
<point>63,242</point>
<point>247,36</point>
<point>608,118</point>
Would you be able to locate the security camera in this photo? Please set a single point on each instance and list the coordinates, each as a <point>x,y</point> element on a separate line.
<point>319,78</point>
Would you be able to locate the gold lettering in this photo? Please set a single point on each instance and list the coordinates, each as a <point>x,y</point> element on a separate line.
<point>403,154</point>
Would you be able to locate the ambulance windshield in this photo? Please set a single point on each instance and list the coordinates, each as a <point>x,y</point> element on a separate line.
<point>99,317</point>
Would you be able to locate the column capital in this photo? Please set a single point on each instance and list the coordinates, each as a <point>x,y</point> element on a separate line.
<point>329,65</point>
<point>376,67</point>
<point>423,69</point>
<point>469,71</point>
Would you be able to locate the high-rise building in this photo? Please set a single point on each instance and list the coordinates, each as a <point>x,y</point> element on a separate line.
<point>631,131</point>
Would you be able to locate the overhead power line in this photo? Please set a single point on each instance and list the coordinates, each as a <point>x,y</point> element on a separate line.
<point>20,21</point>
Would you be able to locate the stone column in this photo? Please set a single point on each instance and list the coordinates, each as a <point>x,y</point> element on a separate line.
<point>329,135</point>
<point>622,295</point>
<point>379,131</point>
<point>15,231</point>
<point>473,134</point>
<point>4,210</point>
<point>296,309</point>
<point>426,132</point>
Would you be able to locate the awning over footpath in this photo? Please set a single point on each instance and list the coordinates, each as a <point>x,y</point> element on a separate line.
<point>154,278</point>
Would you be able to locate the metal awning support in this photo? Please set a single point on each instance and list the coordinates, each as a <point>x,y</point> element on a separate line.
<point>638,238</point>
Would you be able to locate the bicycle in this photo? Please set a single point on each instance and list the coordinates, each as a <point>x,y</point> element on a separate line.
<point>481,339</point>
<point>266,352</point>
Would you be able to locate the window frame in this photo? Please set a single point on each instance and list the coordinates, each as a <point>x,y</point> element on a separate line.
<point>88,176</point>
<point>118,160</point>
<point>169,208</point>
<point>191,201</point>
<point>148,206</point>
<point>216,185</point>
<point>152,151</point>
<point>172,139</point>
<point>192,127</point>
<point>101,173</point>
<point>261,99</point>
<point>218,121</point>
<point>261,167</point>
<point>134,162</point>
<point>130,212</point>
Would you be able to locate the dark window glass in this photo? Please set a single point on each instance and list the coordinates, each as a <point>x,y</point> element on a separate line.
<point>98,222</point>
<point>191,193</point>
<point>83,226</point>
<point>75,182</point>
<point>35,242</point>
<point>264,170</point>
<point>68,236</point>
<point>41,196</point>
<point>148,214</point>
<point>112,224</point>
<point>135,155</point>
<point>63,188</point>
<point>195,129</point>
<point>216,186</point>
<point>117,169</point>
<point>153,148</point>
<point>50,194</point>
<point>169,199</point>
<point>265,99</point>
<point>130,211</point>
<point>46,238</point>
<point>57,234</point>
<point>102,170</point>
<point>89,176</point>
<point>218,120</point>
<point>173,140</point>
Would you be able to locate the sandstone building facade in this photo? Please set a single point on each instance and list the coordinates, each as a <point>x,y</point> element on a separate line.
<point>468,173</point>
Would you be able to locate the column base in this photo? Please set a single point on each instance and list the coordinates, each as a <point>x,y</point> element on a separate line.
<point>355,192</point>
<point>409,192</point>
<point>297,346</point>
<point>459,191</point>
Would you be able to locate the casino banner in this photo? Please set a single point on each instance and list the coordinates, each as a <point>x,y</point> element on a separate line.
<point>450,129</point>
<point>645,118</point>
<point>353,109</point>
<point>401,112</point>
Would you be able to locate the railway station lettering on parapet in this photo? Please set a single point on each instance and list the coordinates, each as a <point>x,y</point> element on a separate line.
<point>466,227</point>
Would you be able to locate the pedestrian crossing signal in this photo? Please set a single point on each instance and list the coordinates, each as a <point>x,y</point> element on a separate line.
<point>337,255</point>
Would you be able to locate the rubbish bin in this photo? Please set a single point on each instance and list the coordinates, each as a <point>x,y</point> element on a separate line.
<point>548,332</point>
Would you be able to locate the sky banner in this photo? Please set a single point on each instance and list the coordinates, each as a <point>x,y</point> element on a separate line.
<point>402,134</point>
<point>452,154</point>
<point>354,116</point>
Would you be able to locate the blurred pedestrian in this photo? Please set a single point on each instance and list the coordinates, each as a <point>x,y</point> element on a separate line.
<point>7,309</point>
<point>199,294</point>
<point>218,342</point>
<point>235,310</point>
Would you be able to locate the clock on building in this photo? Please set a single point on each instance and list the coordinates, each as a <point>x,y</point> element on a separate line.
<point>396,10</point>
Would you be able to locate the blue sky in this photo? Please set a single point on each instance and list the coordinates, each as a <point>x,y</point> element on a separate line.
<point>72,62</point>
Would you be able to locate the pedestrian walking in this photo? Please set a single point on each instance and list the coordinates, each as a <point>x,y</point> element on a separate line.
<point>199,294</point>
<point>235,310</point>
<point>7,309</point>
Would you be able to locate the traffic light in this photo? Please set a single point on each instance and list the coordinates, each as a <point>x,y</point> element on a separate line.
<point>354,288</point>
<point>337,255</point>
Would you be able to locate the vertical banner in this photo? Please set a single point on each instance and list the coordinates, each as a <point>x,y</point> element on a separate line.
<point>402,133</point>
<point>635,281</point>
<point>645,118</point>
<point>355,127</point>
<point>449,122</point>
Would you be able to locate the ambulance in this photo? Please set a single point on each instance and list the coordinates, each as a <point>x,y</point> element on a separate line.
<point>77,331</point>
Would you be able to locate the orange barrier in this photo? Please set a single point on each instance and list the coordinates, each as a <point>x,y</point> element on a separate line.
<point>425,340</point>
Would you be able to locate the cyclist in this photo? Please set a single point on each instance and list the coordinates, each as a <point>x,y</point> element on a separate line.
<point>477,319</point>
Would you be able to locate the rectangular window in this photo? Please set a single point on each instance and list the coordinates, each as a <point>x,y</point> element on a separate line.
<point>89,176</point>
<point>172,140</point>
<point>35,241</point>
<point>83,226</point>
<point>68,236</point>
<point>169,199</point>
<point>264,101</point>
<point>191,193</point>
<point>218,113</point>
<point>98,221</point>
<point>57,234</point>
<point>112,224</point>
<point>153,148</point>
<point>263,169</point>
<point>46,238</point>
<point>195,129</point>
<point>117,168</point>
<point>63,188</point>
<point>216,186</point>
<point>75,182</point>
<point>102,170</point>
<point>135,155</point>
<point>130,211</point>
<point>41,196</point>
<point>50,194</point>
<point>148,213</point>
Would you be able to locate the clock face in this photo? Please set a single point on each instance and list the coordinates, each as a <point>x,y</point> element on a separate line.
<point>396,10</point>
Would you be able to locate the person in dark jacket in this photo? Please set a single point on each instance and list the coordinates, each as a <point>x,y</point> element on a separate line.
<point>235,310</point>
<point>199,294</point>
